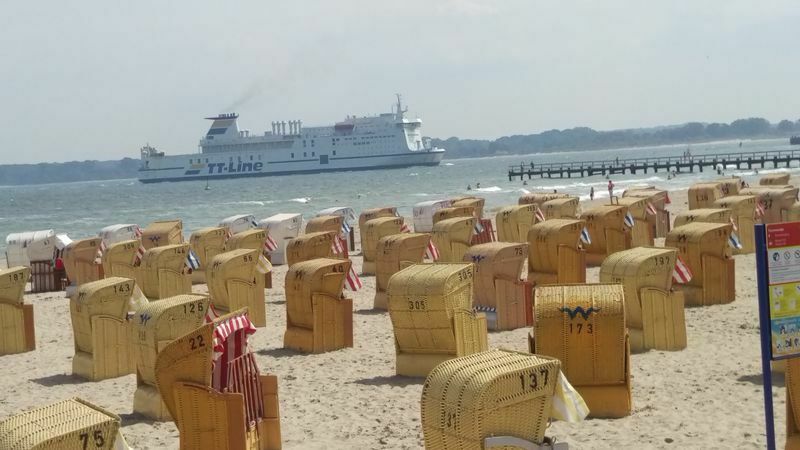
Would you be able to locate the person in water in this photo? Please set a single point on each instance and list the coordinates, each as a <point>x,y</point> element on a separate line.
<point>610,188</point>
<point>591,193</point>
<point>469,187</point>
<point>477,185</point>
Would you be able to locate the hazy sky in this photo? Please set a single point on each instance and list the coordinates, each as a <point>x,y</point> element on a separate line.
<point>98,79</point>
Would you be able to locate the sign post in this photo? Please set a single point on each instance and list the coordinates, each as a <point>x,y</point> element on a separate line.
<point>778,270</point>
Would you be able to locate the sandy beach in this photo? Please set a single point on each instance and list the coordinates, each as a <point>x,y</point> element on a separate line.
<point>706,396</point>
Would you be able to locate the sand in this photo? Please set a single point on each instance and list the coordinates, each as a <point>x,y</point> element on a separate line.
<point>706,396</point>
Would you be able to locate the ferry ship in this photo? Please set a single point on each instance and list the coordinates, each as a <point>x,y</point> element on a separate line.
<point>387,140</point>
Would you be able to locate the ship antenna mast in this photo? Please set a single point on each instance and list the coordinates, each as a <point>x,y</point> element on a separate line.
<point>400,110</point>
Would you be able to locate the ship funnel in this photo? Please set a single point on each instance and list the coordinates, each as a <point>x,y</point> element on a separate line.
<point>291,127</point>
<point>299,126</point>
<point>283,127</point>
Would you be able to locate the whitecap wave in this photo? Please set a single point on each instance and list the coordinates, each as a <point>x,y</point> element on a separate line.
<point>490,189</point>
<point>413,174</point>
<point>300,199</point>
<point>248,202</point>
<point>448,164</point>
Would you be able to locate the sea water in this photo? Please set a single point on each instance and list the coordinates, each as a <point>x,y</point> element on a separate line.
<point>82,209</point>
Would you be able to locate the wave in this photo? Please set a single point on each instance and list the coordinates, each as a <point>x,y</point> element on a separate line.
<point>301,199</point>
<point>448,164</point>
<point>249,202</point>
<point>492,189</point>
<point>413,174</point>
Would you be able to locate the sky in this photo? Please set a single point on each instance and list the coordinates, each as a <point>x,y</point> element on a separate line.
<point>97,79</point>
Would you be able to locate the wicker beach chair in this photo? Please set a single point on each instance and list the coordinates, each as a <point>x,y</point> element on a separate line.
<point>452,213</point>
<point>206,243</point>
<point>395,253</point>
<point>607,230</point>
<point>514,222</point>
<point>372,232</point>
<point>660,222</point>
<point>729,185</point>
<point>255,239</point>
<point>234,282</point>
<point>374,213</point>
<point>161,233</point>
<point>776,201</point>
<point>477,203</point>
<point>792,404</point>
<point>156,325</point>
<point>743,210</point>
<point>73,424</point>
<point>499,292</point>
<point>453,237</point>
<point>430,306</point>
<point>538,198</point>
<point>80,261</point>
<point>703,195</point>
<point>774,179</point>
<point>492,399</point>
<point>555,255</point>
<point>163,272</point>
<point>561,208</point>
<point>282,228</point>
<point>310,246</point>
<point>118,260</point>
<point>653,311</point>
<point>583,325</point>
<point>318,317</point>
<point>17,334</point>
<point>102,333</point>
<point>708,215</point>
<point>214,391</point>
<point>325,223</point>
<point>705,249</point>
<point>642,234</point>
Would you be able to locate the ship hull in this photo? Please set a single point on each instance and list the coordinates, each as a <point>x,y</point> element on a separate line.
<point>181,167</point>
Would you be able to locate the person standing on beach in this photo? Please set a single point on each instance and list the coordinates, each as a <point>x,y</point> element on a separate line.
<point>591,193</point>
<point>610,189</point>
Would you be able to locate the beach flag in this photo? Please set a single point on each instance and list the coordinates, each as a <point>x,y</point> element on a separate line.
<point>478,228</point>
<point>667,200</point>
<point>228,234</point>
<point>629,220</point>
<point>192,262</point>
<point>733,240</point>
<point>137,232</point>
<point>431,252</point>
<point>211,314</point>
<point>269,244</point>
<point>405,228</point>
<point>137,257</point>
<point>263,265</point>
<point>760,209</point>
<point>651,209</point>
<point>733,223</point>
<point>585,238</point>
<point>540,215</point>
<point>345,228</point>
<point>352,282</point>
<point>681,273</point>
<point>336,246</point>
<point>254,223</point>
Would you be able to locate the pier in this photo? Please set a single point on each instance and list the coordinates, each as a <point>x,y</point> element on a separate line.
<point>619,166</point>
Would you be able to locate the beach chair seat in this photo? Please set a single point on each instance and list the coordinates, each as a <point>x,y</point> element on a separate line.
<point>774,179</point>
<point>583,326</point>
<point>609,234</point>
<point>706,250</point>
<point>775,200</point>
<point>561,208</point>
<point>374,213</point>
<point>162,233</point>
<point>430,306</point>
<point>80,261</point>
<point>476,203</point>
<point>499,292</point>
<point>703,195</point>
<point>318,317</point>
<point>470,401</point>
<point>154,326</point>
<point>100,328</point>
<point>119,259</point>
<point>372,231</point>
<point>73,424</point>
<point>234,282</point>
<point>642,234</point>
<point>214,391</point>
<point>310,246</point>
<point>282,228</point>
<point>743,211</point>
<point>17,334</point>
<point>395,253</point>
<point>325,223</point>
<point>555,255</point>
<point>514,222</point>
<point>453,237</point>
<point>660,222</point>
<point>254,238</point>
<point>653,311</point>
<point>206,243</point>
<point>163,272</point>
